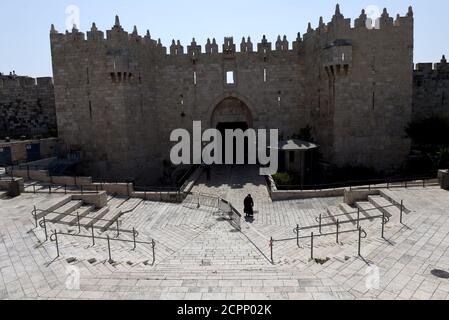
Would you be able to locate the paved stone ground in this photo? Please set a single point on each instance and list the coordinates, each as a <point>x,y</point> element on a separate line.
<point>199,255</point>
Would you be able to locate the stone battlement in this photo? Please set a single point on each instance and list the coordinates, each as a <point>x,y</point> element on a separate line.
<point>14,81</point>
<point>431,69</point>
<point>338,24</point>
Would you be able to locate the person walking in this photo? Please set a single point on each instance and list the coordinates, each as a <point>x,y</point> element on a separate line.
<point>249,206</point>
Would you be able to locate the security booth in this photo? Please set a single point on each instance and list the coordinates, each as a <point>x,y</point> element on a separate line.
<point>296,156</point>
<point>5,156</point>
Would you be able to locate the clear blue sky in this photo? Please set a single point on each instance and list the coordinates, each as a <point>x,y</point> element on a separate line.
<point>25,24</point>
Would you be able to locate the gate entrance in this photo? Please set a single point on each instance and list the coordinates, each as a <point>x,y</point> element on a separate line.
<point>232,114</point>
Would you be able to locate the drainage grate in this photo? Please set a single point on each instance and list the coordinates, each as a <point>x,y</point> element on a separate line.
<point>440,274</point>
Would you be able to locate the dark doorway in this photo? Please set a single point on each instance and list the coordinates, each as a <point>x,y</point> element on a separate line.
<point>222,127</point>
<point>33,152</point>
<point>5,156</point>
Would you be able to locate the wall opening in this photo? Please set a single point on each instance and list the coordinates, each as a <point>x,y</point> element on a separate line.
<point>230,78</point>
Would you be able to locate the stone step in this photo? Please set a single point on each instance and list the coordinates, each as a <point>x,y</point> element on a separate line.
<point>62,212</point>
<point>386,207</point>
<point>83,212</point>
<point>54,207</point>
<point>367,210</point>
<point>95,217</point>
<point>3,194</point>
<point>113,217</point>
<point>392,198</point>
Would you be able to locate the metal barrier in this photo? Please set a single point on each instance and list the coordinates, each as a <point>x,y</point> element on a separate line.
<point>389,183</point>
<point>43,223</point>
<point>337,233</point>
<point>198,200</point>
<point>54,238</point>
<point>66,189</point>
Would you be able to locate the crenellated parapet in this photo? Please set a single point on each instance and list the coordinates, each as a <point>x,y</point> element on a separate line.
<point>338,27</point>
<point>431,70</point>
<point>13,81</point>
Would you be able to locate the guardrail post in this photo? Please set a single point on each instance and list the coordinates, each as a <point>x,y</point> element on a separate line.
<point>360,242</point>
<point>358,217</point>
<point>402,211</point>
<point>109,249</point>
<point>383,225</point>
<point>271,250</point>
<point>297,235</point>
<point>311,246</point>
<point>35,216</point>
<point>118,228</point>
<point>28,172</point>
<point>338,231</point>
<point>49,189</point>
<point>424,183</point>
<point>93,236</point>
<point>34,188</point>
<point>153,244</point>
<point>134,239</point>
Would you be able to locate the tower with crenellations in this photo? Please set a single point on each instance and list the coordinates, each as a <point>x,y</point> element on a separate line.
<point>119,95</point>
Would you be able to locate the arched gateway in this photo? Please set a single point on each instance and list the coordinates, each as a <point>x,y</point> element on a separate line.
<point>232,113</point>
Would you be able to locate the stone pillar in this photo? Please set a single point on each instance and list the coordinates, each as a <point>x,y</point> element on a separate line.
<point>443,179</point>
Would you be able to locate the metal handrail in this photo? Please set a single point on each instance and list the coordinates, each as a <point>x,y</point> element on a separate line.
<point>357,183</point>
<point>384,220</point>
<point>78,223</point>
<point>83,189</point>
<point>55,233</point>
<point>71,215</point>
<point>355,212</point>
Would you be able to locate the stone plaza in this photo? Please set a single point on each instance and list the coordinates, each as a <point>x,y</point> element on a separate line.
<point>200,255</point>
<point>91,233</point>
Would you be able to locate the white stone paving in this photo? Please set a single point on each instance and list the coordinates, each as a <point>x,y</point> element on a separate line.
<point>199,255</point>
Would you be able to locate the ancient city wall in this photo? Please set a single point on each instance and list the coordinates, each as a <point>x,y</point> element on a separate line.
<point>431,89</point>
<point>118,98</point>
<point>27,107</point>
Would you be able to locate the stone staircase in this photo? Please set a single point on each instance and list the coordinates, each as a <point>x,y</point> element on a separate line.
<point>371,210</point>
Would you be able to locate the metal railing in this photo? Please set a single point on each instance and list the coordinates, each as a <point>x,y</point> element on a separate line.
<point>388,183</point>
<point>93,220</point>
<point>54,236</point>
<point>337,225</point>
<point>66,189</point>
<point>199,200</point>
<point>55,233</point>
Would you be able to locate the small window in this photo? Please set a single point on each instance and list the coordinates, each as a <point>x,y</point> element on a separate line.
<point>230,77</point>
<point>194,78</point>
<point>265,75</point>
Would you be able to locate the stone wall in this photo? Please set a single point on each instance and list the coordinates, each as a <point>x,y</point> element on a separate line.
<point>118,98</point>
<point>27,107</point>
<point>431,89</point>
